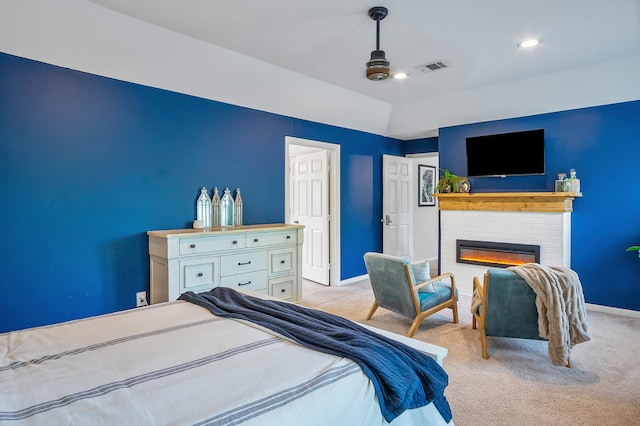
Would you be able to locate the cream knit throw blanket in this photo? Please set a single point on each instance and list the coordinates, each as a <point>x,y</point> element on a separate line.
<point>562,317</point>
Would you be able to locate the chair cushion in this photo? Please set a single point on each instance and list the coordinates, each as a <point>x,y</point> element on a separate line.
<point>429,299</point>
<point>421,273</point>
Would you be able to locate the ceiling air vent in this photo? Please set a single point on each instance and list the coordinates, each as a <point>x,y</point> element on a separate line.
<point>434,66</point>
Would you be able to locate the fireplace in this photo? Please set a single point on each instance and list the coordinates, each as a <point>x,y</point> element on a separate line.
<point>542,218</point>
<point>490,253</point>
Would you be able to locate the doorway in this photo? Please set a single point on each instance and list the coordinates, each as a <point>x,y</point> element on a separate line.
<point>397,206</point>
<point>312,198</point>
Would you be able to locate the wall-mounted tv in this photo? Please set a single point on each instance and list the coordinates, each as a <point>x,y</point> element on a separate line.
<point>506,154</point>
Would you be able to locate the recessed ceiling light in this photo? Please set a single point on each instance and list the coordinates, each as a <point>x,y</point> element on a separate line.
<point>400,75</point>
<point>528,43</point>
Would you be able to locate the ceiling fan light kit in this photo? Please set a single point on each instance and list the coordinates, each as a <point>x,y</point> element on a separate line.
<point>378,66</point>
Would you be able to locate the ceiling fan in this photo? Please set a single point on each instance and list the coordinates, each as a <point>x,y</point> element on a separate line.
<point>378,66</point>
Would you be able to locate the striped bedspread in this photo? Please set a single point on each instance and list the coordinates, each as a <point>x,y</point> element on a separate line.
<point>402,377</point>
<point>175,363</point>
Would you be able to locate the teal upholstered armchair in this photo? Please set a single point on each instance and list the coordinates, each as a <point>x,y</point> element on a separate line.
<point>407,288</point>
<point>504,306</point>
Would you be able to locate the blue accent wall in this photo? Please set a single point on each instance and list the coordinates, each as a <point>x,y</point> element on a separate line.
<point>419,146</point>
<point>603,145</point>
<point>89,164</point>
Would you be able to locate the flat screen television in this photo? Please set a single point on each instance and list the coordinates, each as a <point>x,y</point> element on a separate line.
<point>506,154</point>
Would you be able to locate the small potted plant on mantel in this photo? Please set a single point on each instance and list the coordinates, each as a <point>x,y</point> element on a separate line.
<point>452,183</point>
<point>448,182</point>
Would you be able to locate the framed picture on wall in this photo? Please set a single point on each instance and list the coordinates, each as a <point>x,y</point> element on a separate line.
<point>426,185</point>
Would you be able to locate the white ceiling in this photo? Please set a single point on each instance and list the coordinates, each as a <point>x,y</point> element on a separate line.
<point>331,40</point>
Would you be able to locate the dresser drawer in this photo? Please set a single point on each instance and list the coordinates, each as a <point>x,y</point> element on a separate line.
<point>199,274</point>
<point>262,239</point>
<point>250,281</point>
<point>282,288</point>
<point>207,245</point>
<point>282,261</point>
<point>240,263</point>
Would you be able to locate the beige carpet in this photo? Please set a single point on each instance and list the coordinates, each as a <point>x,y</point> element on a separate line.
<point>517,385</point>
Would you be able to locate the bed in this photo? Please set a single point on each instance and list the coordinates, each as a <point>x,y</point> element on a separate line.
<point>177,363</point>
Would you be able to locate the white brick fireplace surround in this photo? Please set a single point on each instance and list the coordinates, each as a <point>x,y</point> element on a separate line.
<point>538,218</point>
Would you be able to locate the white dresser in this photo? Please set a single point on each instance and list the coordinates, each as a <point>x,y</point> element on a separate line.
<point>262,258</point>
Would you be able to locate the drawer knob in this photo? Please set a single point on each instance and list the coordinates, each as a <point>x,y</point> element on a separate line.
<point>200,274</point>
<point>247,283</point>
<point>234,242</point>
<point>244,263</point>
<point>255,240</point>
<point>192,245</point>
<point>288,237</point>
<point>282,290</point>
<point>282,262</point>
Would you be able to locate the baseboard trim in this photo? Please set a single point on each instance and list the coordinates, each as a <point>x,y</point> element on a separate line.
<point>354,279</point>
<point>612,310</point>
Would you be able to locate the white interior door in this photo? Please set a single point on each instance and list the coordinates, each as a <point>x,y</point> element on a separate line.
<point>311,209</point>
<point>397,208</point>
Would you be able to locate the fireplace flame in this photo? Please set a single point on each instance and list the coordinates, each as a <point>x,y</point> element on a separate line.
<point>503,259</point>
<point>487,253</point>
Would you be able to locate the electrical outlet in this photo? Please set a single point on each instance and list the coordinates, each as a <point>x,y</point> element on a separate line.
<point>141,299</point>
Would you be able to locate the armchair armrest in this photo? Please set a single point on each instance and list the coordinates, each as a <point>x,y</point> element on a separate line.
<point>439,278</point>
<point>477,286</point>
<point>478,299</point>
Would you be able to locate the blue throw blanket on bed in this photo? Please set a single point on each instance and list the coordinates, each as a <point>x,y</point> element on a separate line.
<point>402,376</point>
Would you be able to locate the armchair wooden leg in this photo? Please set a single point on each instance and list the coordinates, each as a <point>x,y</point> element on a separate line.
<point>414,326</point>
<point>372,310</point>
<point>568,362</point>
<point>454,307</point>
<point>483,343</point>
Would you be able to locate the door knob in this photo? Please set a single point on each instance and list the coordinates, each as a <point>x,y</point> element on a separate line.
<point>387,220</point>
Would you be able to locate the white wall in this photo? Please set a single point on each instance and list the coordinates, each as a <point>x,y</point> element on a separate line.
<point>425,219</point>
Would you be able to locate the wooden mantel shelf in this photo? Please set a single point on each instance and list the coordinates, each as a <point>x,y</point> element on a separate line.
<point>555,202</point>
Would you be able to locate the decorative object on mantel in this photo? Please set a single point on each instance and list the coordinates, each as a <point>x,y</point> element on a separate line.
<point>237,208</point>
<point>448,182</point>
<point>570,184</point>
<point>465,185</point>
<point>574,182</point>
<point>562,185</point>
<point>634,248</point>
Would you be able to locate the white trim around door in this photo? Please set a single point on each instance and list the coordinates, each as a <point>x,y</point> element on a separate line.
<point>334,197</point>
